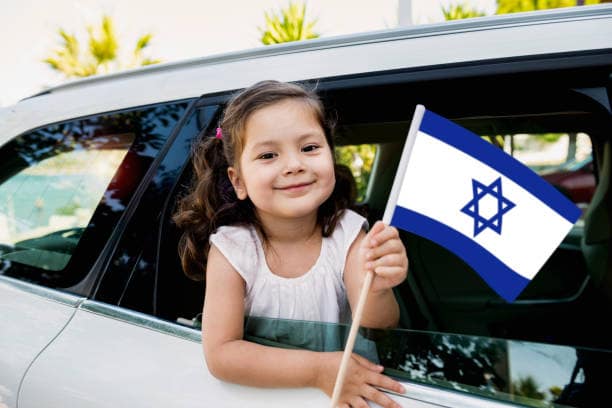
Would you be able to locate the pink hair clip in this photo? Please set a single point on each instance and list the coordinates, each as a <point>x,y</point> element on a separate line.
<point>219,134</point>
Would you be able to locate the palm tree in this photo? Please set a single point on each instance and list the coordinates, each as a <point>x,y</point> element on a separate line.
<point>289,25</point>
<point>513,6</point>
<point>101,55</point>
<point>460,11</point>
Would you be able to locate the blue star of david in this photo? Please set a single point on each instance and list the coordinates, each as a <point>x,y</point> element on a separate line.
<point>503,206</point>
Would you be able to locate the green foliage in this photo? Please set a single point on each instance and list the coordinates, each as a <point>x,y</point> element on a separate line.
<point>513,6</point>
<point>288,25</point>
<point>68,209</point>
<point>555,391</point>
<point>358,158</point>
<point>460,11</point>
<point>101,55</point>
<point>497,140</point>
<point>527,387</point>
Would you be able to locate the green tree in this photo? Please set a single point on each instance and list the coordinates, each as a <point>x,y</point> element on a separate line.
<point>359,159</point>
<point>528,387</point>
<point>288,25</point>
<point>513,6</point>
<point>460,11</point>
<point>101,54</point>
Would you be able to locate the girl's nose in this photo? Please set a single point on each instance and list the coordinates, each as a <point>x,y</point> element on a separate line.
<point>293,164</point>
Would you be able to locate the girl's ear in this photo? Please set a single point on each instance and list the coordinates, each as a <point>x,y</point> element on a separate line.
<point>236,180</point>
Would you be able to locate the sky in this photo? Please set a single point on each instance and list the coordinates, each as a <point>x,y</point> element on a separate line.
<point>181,29</point>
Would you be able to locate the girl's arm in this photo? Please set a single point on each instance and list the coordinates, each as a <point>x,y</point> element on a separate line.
<point>382,251</point>
<point>232,359</point>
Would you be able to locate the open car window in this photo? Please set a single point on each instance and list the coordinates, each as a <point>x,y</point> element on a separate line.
<point>528,373</point>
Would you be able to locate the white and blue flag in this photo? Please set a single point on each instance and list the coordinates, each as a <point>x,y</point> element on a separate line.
<point>456,189</point>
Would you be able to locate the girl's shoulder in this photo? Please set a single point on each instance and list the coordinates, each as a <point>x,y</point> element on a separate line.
<point>350,219</point>
<point>346,232</point>
<point>236,234</point>
<point>238,244</point>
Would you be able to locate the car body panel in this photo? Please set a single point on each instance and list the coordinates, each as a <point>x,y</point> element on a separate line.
<point>126,348</point>
<point>31,318</point>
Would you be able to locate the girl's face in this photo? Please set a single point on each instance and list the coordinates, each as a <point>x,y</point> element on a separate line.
<point>286,167</point>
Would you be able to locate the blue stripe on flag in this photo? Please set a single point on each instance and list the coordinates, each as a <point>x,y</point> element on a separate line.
<point>503,280</point>
<point>460,138</point>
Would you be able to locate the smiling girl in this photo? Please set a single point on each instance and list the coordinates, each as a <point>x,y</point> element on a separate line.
<point>268,223</point>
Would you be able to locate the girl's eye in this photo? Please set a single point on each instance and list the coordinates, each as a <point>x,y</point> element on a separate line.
<point>310,148</point>
<point>266,156</point>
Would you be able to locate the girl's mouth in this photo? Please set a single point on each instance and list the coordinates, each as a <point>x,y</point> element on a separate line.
<point>295,187</point>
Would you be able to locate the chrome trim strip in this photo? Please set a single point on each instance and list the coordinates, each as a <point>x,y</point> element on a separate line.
<point>447,398</point>
<point>54,295</point>
<point>141,319</point>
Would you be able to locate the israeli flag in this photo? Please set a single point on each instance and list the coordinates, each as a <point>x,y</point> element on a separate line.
<point>456,189</point>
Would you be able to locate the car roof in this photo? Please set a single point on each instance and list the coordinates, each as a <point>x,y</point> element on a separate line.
<point>488,38</point>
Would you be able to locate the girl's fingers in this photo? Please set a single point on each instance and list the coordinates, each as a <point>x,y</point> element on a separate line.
<point>387,247</point>
<point>393,274</point>
<point>367,363</point>
<point>374,231</point>
<point>393,260</point>
<point>382,381</point>
<point>358,402</point>
<point>381,234</point>
<point>380,398</point>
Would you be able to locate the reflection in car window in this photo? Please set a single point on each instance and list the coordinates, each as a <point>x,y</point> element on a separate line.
<point>359,159</point>
<point>67,183</point>
<point>531,374</point>
<point>45,206</point>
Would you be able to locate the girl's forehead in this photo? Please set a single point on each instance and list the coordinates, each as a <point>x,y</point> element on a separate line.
<point>281,120</point>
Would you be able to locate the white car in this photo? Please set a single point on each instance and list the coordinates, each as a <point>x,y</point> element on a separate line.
<point>95,310</point>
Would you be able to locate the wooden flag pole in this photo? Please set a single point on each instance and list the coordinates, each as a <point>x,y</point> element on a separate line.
<point>367,282</point>
<point>350,343</point>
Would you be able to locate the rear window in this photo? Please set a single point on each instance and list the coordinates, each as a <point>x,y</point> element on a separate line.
<point>67,181</point>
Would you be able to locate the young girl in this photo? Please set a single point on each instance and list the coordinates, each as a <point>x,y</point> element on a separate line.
<point>267,220</point>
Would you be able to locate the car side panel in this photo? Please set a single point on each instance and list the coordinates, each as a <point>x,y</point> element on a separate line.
<point>99,361</point>
<point>103,362</point>
<point>28,322</point>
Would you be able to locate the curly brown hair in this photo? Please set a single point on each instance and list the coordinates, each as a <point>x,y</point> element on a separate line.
<point>211,201</point>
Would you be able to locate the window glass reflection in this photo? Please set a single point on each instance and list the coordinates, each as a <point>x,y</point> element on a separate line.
<point>531,374</point>
<point>68,183</point>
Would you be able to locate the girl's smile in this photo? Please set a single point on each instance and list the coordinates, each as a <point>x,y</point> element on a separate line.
<point>296,188</point>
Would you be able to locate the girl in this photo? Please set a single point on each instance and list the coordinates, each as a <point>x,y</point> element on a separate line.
<point>267,220</point>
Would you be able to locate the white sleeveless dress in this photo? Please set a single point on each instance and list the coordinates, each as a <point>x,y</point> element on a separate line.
<point>317,295</point>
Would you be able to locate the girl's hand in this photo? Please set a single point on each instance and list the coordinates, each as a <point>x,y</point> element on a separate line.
<point>362,378</point>
<point>384,253</point>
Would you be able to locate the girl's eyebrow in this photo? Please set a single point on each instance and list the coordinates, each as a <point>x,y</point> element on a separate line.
<point>272,143</point>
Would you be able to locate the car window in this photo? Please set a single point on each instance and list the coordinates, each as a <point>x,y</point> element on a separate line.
<point>46,206</point>
<point>565,160</point>
<point>144,273</point>
<point>530,374</point>
<point>67,183</point>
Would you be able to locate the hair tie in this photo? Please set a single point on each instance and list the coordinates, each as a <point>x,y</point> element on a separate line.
<point>219,134</point>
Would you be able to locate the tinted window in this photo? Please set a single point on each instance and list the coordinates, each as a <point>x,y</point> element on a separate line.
<point>526,373</point>
<point>144,273</point>
<point>63,187</point>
